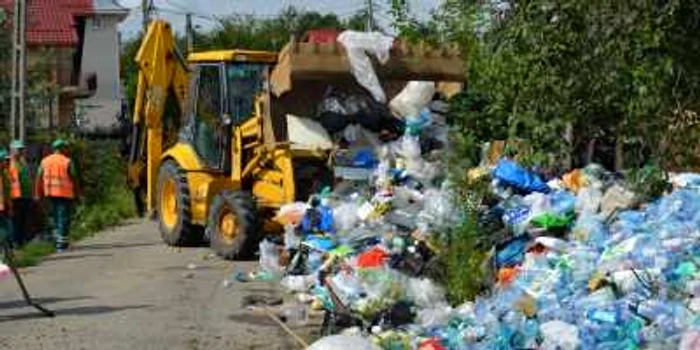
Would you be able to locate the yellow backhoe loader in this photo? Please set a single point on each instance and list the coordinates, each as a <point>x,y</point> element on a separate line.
<point>209,145</point>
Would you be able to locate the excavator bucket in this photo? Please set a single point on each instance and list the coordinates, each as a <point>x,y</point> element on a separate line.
<point>327,61</point>
<point>306,70</point>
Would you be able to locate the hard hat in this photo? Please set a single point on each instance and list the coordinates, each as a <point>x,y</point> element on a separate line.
<point>3,154</point>
<point>17,144</point>
<point>58,144</point>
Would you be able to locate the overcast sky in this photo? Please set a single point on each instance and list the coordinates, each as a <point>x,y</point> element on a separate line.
<point>205,10</point>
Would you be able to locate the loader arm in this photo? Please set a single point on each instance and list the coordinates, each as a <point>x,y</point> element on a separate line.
<point>163,73</point>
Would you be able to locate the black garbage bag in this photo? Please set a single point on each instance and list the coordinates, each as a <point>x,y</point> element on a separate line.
<point>337,110</point>
<point>399,314</point>
<point>331,112</point>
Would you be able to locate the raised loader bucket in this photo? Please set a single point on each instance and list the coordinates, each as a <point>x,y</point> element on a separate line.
<point>303,61</point>
<point>306,70</point>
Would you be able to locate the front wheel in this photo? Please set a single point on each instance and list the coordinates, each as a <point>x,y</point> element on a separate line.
<point>173,205</point>
<point>233,225</point>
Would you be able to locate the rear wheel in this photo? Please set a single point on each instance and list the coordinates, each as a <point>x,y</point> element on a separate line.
<point>173,205</point>
<point>233,225</point>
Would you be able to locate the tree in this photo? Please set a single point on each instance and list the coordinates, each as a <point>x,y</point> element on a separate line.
<point>357,22</point>
<point>616,71</point>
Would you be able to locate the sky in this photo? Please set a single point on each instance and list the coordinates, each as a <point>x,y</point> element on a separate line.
<point>205,11</point>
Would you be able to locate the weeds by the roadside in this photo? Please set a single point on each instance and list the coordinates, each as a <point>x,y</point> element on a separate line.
<point>33,253</point>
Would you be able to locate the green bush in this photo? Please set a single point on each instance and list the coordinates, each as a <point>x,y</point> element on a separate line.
<point>106,199</point>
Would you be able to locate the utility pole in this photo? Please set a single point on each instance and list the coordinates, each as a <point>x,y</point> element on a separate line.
<point>370,16</point>
<point>189,33</point>
<point>19,71</point>
<point>146,7</point>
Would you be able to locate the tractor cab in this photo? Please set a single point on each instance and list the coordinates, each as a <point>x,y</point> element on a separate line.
<point>224,88</point>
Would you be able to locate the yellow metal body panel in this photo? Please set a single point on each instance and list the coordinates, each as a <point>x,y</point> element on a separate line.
<point>203,187</point>
<point>233,56</point>
<point>202,182</point>
<point>268,164</point>
<point>185,156</point>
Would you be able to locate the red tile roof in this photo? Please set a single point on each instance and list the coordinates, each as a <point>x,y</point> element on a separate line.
<point>52,22</point>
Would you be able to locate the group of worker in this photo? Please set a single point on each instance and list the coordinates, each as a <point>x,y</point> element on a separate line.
<point>55,180</point>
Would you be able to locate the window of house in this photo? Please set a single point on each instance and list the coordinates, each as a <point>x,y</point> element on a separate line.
<point>97,22</point>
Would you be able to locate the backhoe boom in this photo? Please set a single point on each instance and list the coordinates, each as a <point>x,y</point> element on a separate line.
<point>162,71</point>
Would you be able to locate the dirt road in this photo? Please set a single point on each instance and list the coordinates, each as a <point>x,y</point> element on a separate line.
<point>124,289</point>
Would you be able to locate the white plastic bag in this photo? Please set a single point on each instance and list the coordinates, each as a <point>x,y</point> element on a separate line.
<point>305,133</point>
<point>589,198</point>
<point>425,293</point>
<point>359,46</point>
<point>559,335</point>
<point>297,284</point>
<point>346,216</point>
<point>292,213</point>
<point>414,97</point>
<point>409,147</point>
<point>617,198</point>
<point>343,342</point>
<point>434,317</point>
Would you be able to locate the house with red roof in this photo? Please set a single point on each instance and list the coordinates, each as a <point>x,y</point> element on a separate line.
<point>75,43</point>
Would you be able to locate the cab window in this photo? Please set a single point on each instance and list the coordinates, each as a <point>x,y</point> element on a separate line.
<point>245,82</point>
<point>209,128</point>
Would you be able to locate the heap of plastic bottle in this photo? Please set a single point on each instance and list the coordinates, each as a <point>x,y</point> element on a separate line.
<point>630,283</point>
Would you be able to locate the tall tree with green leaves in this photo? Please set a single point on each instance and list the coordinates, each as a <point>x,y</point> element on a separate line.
<point>614,70</point>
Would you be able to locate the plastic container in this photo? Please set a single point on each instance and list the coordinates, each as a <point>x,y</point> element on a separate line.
<point>269,257</point>
<point>297,283</point>
<point>295,315</point>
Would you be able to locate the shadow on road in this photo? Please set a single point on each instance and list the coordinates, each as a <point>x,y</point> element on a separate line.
<point>258,320</point>
<point>70,256</point>
<point>12,304</point>
<point>75,311</point>
<point>105,246</point>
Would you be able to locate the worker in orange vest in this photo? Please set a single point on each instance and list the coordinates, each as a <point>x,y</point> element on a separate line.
<point>56,180</point>
<point>20,192</point>
<point>5,203</point>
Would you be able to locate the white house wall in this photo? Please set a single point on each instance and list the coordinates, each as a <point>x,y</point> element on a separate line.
<point>101,56</point>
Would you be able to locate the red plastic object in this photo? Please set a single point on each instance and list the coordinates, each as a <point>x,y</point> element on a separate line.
<point>372,258</point>
<point>431,344</point>
<point>321,36</point>
<point>507,275</point>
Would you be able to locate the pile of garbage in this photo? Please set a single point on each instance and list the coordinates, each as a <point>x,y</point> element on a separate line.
<point>580,261</point>
<point>584,264</point>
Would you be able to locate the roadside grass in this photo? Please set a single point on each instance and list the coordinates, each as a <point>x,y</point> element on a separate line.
<point>33,253</point>
<point>107,200</point>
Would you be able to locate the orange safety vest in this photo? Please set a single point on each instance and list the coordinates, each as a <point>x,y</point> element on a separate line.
<point>56,177</point>
<point>15,187</point>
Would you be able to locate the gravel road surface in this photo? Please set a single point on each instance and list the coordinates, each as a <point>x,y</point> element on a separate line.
<point>124,289</point>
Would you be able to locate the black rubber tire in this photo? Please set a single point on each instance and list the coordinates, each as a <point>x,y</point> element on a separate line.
<point>244,207</point>
<point>181,233</point>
